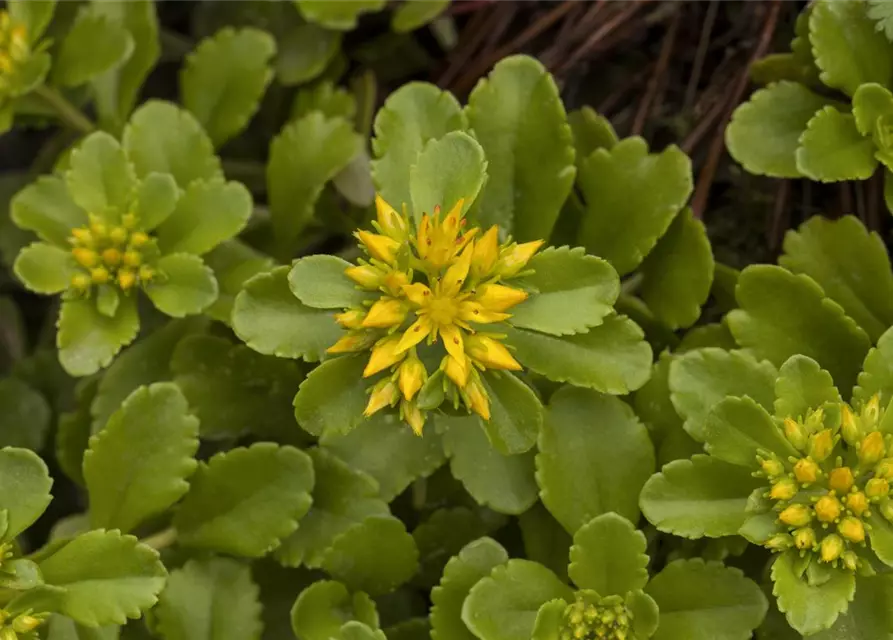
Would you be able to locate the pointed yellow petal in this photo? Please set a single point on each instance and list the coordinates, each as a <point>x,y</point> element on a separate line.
<point>417,293</point>
<point>385,313</point>
<point>384,354</point>
<point>471,311</point>
<point>490,353</point>
<point>498,297</point>
<point>412,377</point>
<point>450,225</point>
<point>380,247</point>
<point>516,257</point>
<point>413,416</point>
<point>456,369</point>
<point>452,340</point>
<point>455,276</point>
<point>486,252</point>
<point>423,237</point>
<point>383,395</point>
<point>394,281</point>
<point>416,332</point>
<point>477,397</point>
<point>389,220</point>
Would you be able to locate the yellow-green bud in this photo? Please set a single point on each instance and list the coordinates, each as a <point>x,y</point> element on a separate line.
<point>98,229</point>
<point>857,502</point>
<point>85,257</point>
<point>132,258</point>
<point>852,529</point>
<point>126,279</point>
<point>872,448</point>
<point>118,235</point>
<point>100,275</point>
<point>828,508</point>
<point>129,220</point>
<point>820,445</point>
<point>841,479</point>
<point>850,560</point>
<point>138,239</point>
<point>146,273</point>
<point>849,427</point>
<point>831,548</point>
<point>804,538</point>
<point>783,489</point>
<point>111,257</point>
<point>806,471</point>
<point>25,623</point>
<point>877,488</point>
<point>884,469</point>
<point>772,467</point>
<point>796,515</point>
<point>871,411</point>
<point>81,281</point>
<point>780,542</point>
<point>82,236</point>
<point>795,433</point>
<point>887,509</point>
<point>8,633</point>
<point>815,420</point>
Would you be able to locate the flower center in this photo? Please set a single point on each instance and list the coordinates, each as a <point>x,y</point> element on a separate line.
<point>442,310</point>
<point>602,619</point>
<point>115,255</point>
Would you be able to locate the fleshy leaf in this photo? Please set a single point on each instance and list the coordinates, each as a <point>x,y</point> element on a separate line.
<point>341,16</point>
<point>504,483</point>
<point>783,314</point>
<point>802,386</point>
<point>503,606</point>
<point>517,115</point>
<point>319,282</point>
<point>225,78</point>
<point>162,137</point>
<point>704,600</point>
<point>414,14</point>
<point>245,501</point>
<point>877,372</point>
<point>447,170</point>
<point>325,605</point>
<point>156,198</point>
<point>106,577</point>
<point>324,96</point>
<point>591,131</point>
<point>304,156</point>
<point>34,14</point>
<point>678,272</point>
<point>93,45</point>
<point>810,609</point>
<point>700,497</point>
<point>571,292</point>
<point>624,221</point>
<point>516,413</point>
<point>210,599</point>
<point>233,263</point>
<point>332,398</point>
<point>26,490</point>
<point>868,615</point>
<point>609,556</point>
<point>414,114</point>
<point>765,131</point>
<point>61,628</point>
<point>701,378</point>
<point>304,52</point>
<point>101,180</point>
<point>139,464</point>
<point>45,268</point>
<point>581,477</point>
<point>25,416</point>
<point>737,429</point>
<point>612,357</point>
<point>46,207</point>
<point>850,263</point>
<point>88,340</point>
<point>186,286</point>
<point>871,102</point>
<point>473,563</point>
<point>832,149</point>
<point>270,320</point>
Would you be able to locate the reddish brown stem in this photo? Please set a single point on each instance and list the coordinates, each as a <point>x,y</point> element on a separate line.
<point>663,61</point>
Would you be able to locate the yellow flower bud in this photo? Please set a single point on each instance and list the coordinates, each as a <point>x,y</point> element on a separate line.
<point>7,633</point>
<point>412,376</point>
<point>365,275</point>
<point>831,548</point>
<point>126,279</point>
<point>98,229</point>
<point>828,508</point>
<point>413,416</point>
<point>884,469</point>
<point>857,503</point>
<point>351,319</point>
<point>783,489</point>
<point>477,398</point>
<point>384,394</point>
<point>146,273</point>
<point>394,282</point>
<point>456,370</point>
<point>25,623</point>
<point>82,236</point>
<point>497,297</point>
<point>81,281</point>
<point>877,488</point>
<point>132,258</point>
<point>85,257</point>
<point>815,420</point>
<point>849,428</point>
<point>806,471</point>
<point>100,275</point>
<point>129,221</point>
<point>386,312</point>
<point>118,235</point>
<point>489,352</point>
<point>486,252</point>
<point>804,538</point>
<point>852,529</point>
<point>379,247</point>
<point>772,467</point>
<point>820,445</point>
<point>796,515</point>
<point>111,257</point>
<point>516,257</point>
<point>871,411</point>
<point>850,560</point>
<point>389,221</point>
<point>138,239</point>
<point>841,479</point>
<point>779,542</point>
<point>384,354</point>
<point>795,433</point>
<point>350,343</point>
<point>872,448</point>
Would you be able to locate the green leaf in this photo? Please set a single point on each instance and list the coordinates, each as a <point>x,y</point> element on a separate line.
<point>270,320</point>
<point>848,49</point>
<point>245,501</point>
<point>332,398</point>
<point>324,96</point>
<point>870,103</point>
<point>516,413</point>
<point>156,199</point>
<point>571,292</point>
<point>764,133</point>
<point>880,534</point>
<point>45,268</point>
<point>591,131</point>
<point>324,606</point>
<point>319,282</point>
<point>594,457</point>
<point>233,263</point>
<point>88,340</point>
<point>186,286</point>
<point>867,616</point>
<point>101,180</point>
<point>389,452</point>
<point>700,497</point>
<point>504,483</point>
<point>678,273</point>
<point>34,14</point>
<point>705,601</point>
<point>24,417</point>
<point>304,52</point>
<point>224,79</point>
<point>623,221</point>
<point>701,378</point>
<point>138,465</point>
<point>447,170</point>
<point>737,429</point>
<point>783,314</point>
<point>474,562</point>
<point>810,609</point>
<point>609,556</point>
<point>235,391</point>
<point>46,207</point>
<point>376,556</point>
<point>305,155</point>
<point>549,618</point>
<point>106,577</point>
<point>342,499</point>
<point>118,89</point>
<point>881,12</point>
<point>801,386</point>
<point>62,628</point>
<point>93,45</point>
<point>208,213</point>
<point>26,490</point>
<point>210,599</point>
<point>413,115</point>
<point>414,14</point>
<point>832,149</point>
<point>162,137</point>
<point>342,15</point>
<point>612,357</point>
<point>503,606</point>
<point>877,372</point>
<point>518,117</point>
<point>851,265</point>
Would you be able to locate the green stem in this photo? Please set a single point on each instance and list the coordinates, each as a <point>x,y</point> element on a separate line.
<point>67,112</point>
<point>162,539</point>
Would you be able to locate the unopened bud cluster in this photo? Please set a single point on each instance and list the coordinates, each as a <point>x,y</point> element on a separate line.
<point>825,495</point>
<point>118,255</point>
<point>22,626</point>
<point>607,618</point>
<point>14,50</point>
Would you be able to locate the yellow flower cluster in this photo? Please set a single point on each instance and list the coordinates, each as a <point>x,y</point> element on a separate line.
<point>609,619</point>
<point>23,625</point>
<point>111,254</point>
<point>14,48</point>
<point>824,496</point>
<point>434,285</point>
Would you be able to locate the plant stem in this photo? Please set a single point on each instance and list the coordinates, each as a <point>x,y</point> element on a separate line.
<point>162,539</point>
<point>67,112</point>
